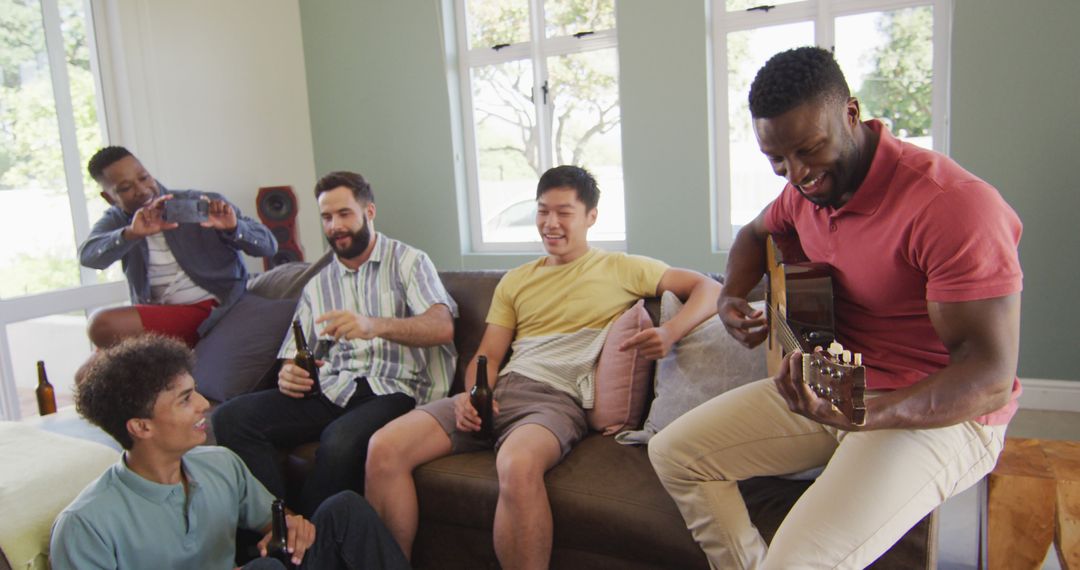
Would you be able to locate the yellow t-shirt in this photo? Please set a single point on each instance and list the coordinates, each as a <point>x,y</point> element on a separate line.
<point>560,314</point>
<point>589,292</point>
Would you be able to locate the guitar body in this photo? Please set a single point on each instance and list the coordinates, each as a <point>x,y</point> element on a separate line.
<point>800,308</point>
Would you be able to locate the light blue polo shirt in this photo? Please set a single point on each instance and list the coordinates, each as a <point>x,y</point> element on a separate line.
<point>122,520</point>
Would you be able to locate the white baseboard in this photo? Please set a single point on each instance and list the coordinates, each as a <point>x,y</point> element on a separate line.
<point>1054,395</point>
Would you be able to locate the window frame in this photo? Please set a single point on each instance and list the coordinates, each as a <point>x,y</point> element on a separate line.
<point>537,50</point>
<point>823,14</point>
<point>90,293</point>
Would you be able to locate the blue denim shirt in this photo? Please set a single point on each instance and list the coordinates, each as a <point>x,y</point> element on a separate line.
<point>210,257</point>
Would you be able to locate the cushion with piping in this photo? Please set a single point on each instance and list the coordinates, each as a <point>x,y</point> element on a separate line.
<point>622,378</point>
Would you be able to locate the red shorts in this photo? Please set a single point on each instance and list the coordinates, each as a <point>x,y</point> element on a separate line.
<point>180,321</point>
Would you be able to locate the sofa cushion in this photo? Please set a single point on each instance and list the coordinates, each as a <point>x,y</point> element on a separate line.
<point>40,473</point>
<point>605,499</point>
<point>239,355</point>
<point>286,281</point>
<point>622,377</point>
<point>705,363</point>
<point>281,282</point>
<point>234,357</point>
<point>609,510</point>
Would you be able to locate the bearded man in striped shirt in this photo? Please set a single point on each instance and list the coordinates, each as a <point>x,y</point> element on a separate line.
<point>392,318</point>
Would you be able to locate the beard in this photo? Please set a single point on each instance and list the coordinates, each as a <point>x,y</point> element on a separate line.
<point>843,173</point>
<point>358,241</point>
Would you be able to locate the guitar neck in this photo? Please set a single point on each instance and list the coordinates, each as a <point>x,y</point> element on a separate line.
<point>800,309</point>
<point>784,333</point>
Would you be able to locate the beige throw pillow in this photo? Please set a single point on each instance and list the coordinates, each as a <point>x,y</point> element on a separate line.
<point>41,473</point>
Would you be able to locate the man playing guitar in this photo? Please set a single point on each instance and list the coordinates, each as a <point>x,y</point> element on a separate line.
<point>926,282</point>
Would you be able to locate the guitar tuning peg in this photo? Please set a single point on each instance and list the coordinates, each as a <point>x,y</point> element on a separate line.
<point>858,359</point>
<point>846,357</point>
<point>835,349</point>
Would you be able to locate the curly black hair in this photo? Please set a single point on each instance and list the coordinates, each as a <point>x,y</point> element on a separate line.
<point>123,382</point>
<point>103,158</point>
<point>351,180</point>
<point>794,77</point>
<point>571,177</point>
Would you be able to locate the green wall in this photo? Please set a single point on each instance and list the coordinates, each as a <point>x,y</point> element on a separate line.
<point>380,104</point>
<point>1015,123</point>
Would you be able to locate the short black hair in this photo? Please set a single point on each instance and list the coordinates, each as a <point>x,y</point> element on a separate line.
<point>124,381</point>
<point>351,180</point>
<point>574,177</point>
<point>794,77</point>
<point>103,158</point>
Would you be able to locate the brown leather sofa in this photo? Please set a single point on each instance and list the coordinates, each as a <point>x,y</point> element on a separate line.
<point>610,510</point>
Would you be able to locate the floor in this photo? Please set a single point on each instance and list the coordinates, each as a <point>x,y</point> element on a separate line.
<point>958,532</point>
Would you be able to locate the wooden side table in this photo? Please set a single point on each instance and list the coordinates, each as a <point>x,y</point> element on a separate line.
<point>1033,500</point>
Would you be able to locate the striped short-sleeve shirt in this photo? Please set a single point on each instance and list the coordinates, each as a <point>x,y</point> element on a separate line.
<point>397,281</point>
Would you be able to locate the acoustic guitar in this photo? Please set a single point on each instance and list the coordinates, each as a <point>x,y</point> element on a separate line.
<point>800,314</point>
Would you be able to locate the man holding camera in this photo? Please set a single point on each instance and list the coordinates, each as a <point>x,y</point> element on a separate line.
<point>180,251</point>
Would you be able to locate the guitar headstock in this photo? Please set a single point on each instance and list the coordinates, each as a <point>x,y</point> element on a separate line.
<point>839,376</point>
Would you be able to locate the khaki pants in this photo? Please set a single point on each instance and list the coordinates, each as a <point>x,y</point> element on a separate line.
<point>876,484</point>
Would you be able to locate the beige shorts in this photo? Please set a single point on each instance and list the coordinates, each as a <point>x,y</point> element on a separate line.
<point>521,401</point>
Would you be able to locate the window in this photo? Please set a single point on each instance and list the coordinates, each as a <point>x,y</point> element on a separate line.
<point>50,123</point>
<point>539,88</point>
<point>894,54</point>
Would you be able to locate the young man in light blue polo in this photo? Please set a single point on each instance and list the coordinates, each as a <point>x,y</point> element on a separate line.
<point>172,503</point>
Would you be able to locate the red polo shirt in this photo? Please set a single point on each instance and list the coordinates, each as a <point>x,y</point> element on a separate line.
<point>919,228</point>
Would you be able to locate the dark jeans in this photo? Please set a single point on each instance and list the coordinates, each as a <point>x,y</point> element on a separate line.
<point>256,425</point>
<point>348,534</point>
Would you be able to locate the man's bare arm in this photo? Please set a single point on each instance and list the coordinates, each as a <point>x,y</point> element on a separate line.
<point>745,267</point>
<point>983,339</point>
<point>699,294</point>
<point>493,345</point>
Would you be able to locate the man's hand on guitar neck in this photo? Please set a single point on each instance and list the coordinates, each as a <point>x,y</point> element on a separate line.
<point>743,322</point>
<point>802,400</point>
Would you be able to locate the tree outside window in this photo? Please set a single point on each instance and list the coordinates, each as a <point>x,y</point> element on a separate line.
<point>887,56</point>
<point>538,100</point>
<point>37,228</point>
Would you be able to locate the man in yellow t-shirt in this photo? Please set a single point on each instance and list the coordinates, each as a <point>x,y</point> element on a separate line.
<point>554,312</point>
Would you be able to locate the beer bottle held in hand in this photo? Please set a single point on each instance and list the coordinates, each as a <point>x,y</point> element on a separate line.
<point>481,397</point>
<point>278,547</point>
<point>305,359</point>
<point>46,397</point>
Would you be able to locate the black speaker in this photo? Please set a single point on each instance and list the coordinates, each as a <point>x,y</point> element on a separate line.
<point>277,208</point>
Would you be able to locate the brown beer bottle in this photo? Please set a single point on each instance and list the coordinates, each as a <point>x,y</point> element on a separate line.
<point>305,359</point>
<point>46,397</point>
<point>278,547</point>
<point>481,397</point>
